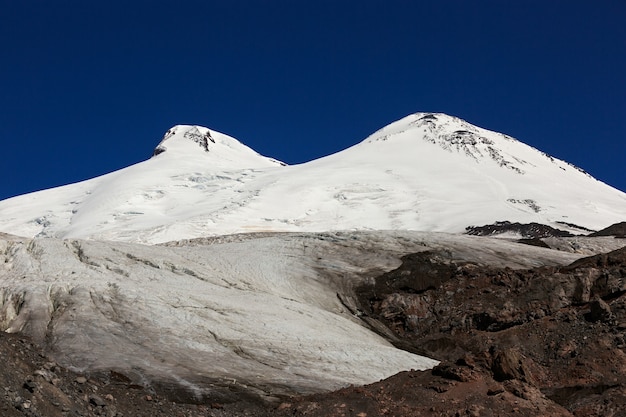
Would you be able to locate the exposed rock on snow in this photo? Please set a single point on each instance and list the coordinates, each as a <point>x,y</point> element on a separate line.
<point>197,134</point>
<point>617,230</point>
<point>524,231</point>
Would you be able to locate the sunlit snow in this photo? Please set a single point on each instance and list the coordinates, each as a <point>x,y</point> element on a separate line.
<point>428,172</point>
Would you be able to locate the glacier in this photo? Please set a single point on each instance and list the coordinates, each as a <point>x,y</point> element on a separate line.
<point>258,315</point>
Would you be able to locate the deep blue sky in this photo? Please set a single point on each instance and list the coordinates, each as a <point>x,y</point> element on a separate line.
<point>88,87</point>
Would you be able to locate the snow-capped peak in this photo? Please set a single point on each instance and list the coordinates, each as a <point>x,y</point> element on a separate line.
<point>456,135</point>
<point>197,134</point>
<point>218,149</point>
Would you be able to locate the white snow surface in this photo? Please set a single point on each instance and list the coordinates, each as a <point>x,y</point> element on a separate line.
<point>428,172</point>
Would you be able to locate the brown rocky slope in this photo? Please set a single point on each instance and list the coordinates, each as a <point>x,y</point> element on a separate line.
<point>543,342</point>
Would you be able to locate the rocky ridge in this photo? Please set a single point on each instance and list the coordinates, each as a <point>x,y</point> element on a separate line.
<point>545,341</point>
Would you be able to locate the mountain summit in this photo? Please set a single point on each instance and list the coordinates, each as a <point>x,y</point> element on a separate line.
<point>427,171</point>
<point>465,143</point>
<point>457,136</point>
<point>223,151</point>
<point>191,133</point>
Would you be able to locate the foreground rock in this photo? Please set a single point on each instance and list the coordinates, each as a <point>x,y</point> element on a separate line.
<point>546,341</point>
<point>32,385</point>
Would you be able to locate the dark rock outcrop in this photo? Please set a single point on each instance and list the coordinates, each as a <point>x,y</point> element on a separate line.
<point>545,341</point>
<point>526,230</point>
<point>617,230</point>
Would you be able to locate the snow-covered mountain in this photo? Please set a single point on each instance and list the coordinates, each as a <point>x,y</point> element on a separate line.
<point>268,315</point>
<point>429,172</point>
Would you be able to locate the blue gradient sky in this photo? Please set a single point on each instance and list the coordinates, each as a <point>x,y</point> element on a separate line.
<point>90,87</point>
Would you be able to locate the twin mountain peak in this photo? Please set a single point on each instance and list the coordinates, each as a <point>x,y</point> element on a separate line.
<point>426,172</point>
<point>446,132</point>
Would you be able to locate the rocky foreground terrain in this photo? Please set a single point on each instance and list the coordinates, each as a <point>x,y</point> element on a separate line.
<point>548,341</point>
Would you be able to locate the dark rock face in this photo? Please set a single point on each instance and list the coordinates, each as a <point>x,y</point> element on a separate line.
<point>600,311</point>
<point>510,363</point>
<point>526,230</point>
<point>33,386</point>
<point>545,341</point>
<point>196,136</point>
<point>158,151</point>
<point>617,230</point>
<point>540,342</point>
<point>534,242</point>
<point>193,133</point>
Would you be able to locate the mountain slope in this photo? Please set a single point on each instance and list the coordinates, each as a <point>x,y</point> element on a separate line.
<point>264,315</point>
<point>428,172</point>
<point>189,174</point>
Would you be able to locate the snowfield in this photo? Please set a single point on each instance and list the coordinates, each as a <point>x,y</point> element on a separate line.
<point>428,172</point>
